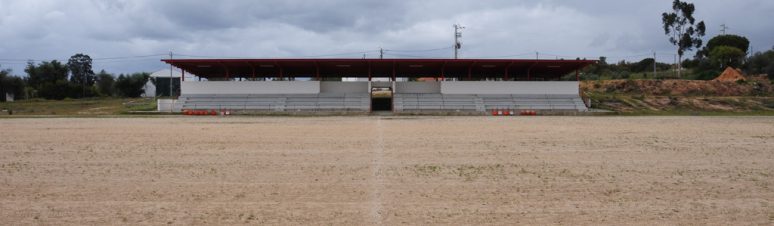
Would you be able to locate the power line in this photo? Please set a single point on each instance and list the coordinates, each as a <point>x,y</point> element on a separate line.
<point>506,56</point>
<point>421,50</point>
<point>93,59</point>
<point>358,53</point>
<point>408,55</point>
<point>127,57</point>
<point>343,54</point>
<point>124,60</point>
<point>12,60</point>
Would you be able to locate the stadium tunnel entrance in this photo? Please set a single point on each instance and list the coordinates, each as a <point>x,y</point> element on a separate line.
<point>381,96</point>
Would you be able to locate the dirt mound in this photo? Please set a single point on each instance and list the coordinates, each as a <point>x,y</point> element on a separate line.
<point>682,104</point>
<point>753,87</point>
<point>730,75</point>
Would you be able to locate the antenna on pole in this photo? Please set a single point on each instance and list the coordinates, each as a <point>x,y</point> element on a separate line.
<point>457,35</point>
<point>723,28</point>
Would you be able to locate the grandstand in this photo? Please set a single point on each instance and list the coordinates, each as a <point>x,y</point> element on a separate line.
<point>315,85</point>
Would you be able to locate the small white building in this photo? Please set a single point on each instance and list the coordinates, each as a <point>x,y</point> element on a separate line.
<point>9,97</point>
<point>164,74</point>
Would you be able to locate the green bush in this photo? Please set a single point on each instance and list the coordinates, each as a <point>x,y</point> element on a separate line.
<point>131,85</point>
<point>707,75</point>
<point>58,90</point>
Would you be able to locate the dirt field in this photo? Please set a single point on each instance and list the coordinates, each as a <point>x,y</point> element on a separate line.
<point>384,170</point>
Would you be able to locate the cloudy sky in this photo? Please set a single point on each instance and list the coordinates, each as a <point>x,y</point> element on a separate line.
<point>132,35</point>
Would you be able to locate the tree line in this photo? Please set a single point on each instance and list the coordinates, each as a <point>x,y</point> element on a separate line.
<point>75,79</point>
<point>685,32</point>
<point>708,63</point>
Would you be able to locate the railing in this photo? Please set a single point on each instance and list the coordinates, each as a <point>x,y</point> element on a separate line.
<point>585,98</point>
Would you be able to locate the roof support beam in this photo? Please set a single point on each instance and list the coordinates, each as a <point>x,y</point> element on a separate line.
<point>393,71</point>
<point>252,69</point>
<point>470,70</point>
<point>317,70</point>
<point>228,73</point>
<point>529,71</point>
<point>507,77</point>
<point>443,70</point>
<point>281,72</point>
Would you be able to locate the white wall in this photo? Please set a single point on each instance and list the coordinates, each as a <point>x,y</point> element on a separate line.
<point>150,89</point>
<point>344,87</point>
<point>169,105</point>
<point>509,87</point>
<point>418,87</point>
<point>251,87</point>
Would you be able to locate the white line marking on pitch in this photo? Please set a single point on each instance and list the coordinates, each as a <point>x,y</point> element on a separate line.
<point>377,183</point>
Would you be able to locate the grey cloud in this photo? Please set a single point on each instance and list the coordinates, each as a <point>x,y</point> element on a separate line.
<point>50,29</point>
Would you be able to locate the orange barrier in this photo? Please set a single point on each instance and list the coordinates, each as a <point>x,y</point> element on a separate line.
<point>528,113</point>
<point>203,112</point>
<point>503,112</point>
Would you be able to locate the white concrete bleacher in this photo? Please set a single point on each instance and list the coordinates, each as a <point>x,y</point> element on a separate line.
<point>474,102</point>
<point>486,96</point>
<point>277,102</point>
<point>276,96</point>
<point>449,96</point>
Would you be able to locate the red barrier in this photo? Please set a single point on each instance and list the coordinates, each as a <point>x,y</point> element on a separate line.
<point>528,113</point>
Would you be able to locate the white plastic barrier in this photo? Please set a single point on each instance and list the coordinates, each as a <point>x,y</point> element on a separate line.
<point>417,87</point>
<point>251,87</point>
<point>169,105</point>
<point>510,87</point>
<point>344,87</point>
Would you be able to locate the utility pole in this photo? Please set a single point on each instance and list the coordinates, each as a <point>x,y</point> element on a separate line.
<point>723,28</point>
<point>537,55</point>
<point>83,85</point>
<point>677,67</point>
<point>381,53</point>
<point>457,35</point>
<point>170,75</point>
<point>654,64</point>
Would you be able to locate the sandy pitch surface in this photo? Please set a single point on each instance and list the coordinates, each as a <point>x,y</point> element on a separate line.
<point>386,170</point>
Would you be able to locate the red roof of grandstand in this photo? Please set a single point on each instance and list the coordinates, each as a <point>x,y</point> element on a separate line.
<point>516,69</point>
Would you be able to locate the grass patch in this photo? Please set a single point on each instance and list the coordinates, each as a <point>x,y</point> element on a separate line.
<point>640,105</point>
<point>77,107</point>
